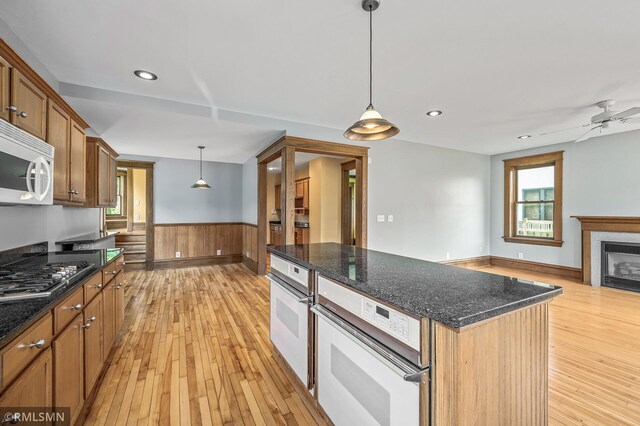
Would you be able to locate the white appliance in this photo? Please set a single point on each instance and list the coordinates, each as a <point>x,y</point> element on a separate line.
<point>290,327</point>
<point>368,370</point>
<point>26,167</point>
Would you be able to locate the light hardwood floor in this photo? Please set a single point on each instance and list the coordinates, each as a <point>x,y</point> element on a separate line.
<point>195,350</point>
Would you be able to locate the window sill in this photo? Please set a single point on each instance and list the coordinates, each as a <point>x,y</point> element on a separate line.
<point>533,241</point>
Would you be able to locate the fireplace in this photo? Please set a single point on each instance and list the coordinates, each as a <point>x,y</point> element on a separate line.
<point>621,265</point>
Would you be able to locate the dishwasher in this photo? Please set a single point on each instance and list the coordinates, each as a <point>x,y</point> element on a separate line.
<point>290,325</point>
<point>368,359</point>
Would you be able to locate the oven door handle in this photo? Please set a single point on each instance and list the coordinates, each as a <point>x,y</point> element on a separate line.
<point>298,295</point>
<point>404,369</point>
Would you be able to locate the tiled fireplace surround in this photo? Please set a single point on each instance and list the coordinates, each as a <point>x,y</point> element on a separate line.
<point>596,229</point>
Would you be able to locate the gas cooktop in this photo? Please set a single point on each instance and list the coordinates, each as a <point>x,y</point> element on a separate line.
<point>25,280</point>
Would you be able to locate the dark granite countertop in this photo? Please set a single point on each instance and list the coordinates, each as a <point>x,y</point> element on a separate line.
<point>88,238</point>
<point>453,296</point>
<point>18,315</point>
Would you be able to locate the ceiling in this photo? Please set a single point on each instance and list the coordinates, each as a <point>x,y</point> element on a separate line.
<point>497,68</point>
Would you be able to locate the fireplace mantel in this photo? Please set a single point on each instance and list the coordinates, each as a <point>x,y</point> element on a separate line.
<point>602,224</point>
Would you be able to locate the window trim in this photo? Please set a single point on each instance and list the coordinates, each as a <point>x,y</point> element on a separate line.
<point>511,166</point>
<point>123,196</point>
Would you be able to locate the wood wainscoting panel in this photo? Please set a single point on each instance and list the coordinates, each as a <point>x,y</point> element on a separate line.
<point>198,243</point>
<point>495,373</point>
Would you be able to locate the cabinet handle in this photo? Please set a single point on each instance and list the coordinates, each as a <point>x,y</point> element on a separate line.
<point>11,108</point>
<point>92,319</point>
<point>114,272</point>
<point>87,325</point>
<point>98,286</point>
<point>22,114</point>
<point>39,344</point>
<point>76,307</point>
<point>118,287</point>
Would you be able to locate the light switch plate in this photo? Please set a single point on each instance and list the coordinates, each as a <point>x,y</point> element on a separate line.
<point>177,254</point>
<point>390,218</point>
<point>218,252</point>
<point>521,255</point>
<point>380,218</point>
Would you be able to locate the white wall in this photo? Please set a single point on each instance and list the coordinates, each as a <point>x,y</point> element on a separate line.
<point>23,225</point>
<point>601,177</point>
<point>439,199</point>
<point>174,200</point>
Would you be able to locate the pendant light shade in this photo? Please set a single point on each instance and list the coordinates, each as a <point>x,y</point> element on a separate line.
<point>371,126</point>
<point>200,183</point>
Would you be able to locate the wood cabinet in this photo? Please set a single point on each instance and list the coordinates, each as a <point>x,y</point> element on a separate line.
<point>34,387</point>
<point>302,197</point>
<point>119,300</point>
<point>93,353</point>
<point>28,105</point>
<point>276,235</point>
<point>69,170</point>
<point>277,196</point>
<point>108,317</point>
<point>302,236</point>
<point>101,173</point>
<point>68,374</point>
<point>5,89</point>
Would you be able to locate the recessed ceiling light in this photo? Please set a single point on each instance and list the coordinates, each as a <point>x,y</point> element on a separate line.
<point>145,75</point>
<point>434,113</point>
<point>524,137</point>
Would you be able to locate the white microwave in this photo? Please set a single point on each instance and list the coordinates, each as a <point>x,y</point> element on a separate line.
<point>26,167</point>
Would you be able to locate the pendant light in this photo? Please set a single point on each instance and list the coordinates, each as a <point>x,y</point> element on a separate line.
<point>200,183</point>
<point>371,126</point>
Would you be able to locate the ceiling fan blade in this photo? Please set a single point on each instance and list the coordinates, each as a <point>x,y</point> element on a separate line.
<point>632,120</point>
<point>587,135</point>
<point>625,114</point>
<point>564,130</point>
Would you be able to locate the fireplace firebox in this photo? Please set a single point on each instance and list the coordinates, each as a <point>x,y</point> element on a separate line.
<point>621,265</point>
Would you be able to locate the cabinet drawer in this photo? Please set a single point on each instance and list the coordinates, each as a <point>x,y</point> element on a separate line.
<point>67,310</point>
<point>92,287</point>
<point>25,348</point>
<point>119,263</point>
<point>295,272</point>
<point>109,272</point>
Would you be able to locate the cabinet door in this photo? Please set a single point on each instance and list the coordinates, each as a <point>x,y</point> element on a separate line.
<point>5,89</point>
<point>68,372</point>
<point>305,193</point>
<point>119,306</point>
<point>299,188</point>
<point>33,388</point>
<point>31,105</point>
<point>109,317</point>
<point>113,173</point>
<point>77,164</point>
<point>93,358</point>
<point>59,124</point>
<point>104,162</point>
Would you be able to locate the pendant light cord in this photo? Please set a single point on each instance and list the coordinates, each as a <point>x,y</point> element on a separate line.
<point>370,57</point>
<point>201,163</point>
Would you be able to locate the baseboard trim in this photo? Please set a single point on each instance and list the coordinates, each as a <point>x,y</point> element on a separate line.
<point>189,262</point>
<point>567,272</point>
<point>250,264</point>
<point>471,261</point>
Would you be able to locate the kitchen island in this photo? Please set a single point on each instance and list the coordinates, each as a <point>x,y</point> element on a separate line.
<point>476,342</point>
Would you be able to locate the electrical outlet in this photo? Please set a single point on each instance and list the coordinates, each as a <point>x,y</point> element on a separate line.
<point>369,160</point>
<point>448,255</point>
<point>137,216</point>
<point>521,255</point>
<point>380,218</point>
<point>218,252</point>
<point>177,254</point>
<point>390,218</point>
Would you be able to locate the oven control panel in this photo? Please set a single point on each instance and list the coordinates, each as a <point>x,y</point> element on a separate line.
<point>390,321</point>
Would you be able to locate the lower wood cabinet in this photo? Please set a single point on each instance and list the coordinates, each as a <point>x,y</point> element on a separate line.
<point>68,355</point>
<point>93,357</point>
<point>33,388</point>
<point>109,320</point>
<point>119,300</point>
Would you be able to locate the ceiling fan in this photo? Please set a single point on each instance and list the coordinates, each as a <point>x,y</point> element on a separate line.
<point>604,120</point>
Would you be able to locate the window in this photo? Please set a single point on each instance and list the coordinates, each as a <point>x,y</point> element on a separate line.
<point>533,199</point>
<point>120,209</point>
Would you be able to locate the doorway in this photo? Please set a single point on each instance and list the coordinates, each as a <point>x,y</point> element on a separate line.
<point>348,204</point>
<point>132,216</point>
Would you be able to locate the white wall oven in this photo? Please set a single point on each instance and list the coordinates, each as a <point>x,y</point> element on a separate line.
<point>290,327</point>
<point>368,359</point>
<point>26,168</point>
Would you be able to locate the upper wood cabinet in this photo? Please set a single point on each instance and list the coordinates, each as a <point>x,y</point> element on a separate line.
<point>68,138</point>
<point>5,89</point>
<point>28,105</point>
<point>302,196</point>
<point>101,173</point>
